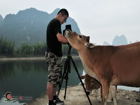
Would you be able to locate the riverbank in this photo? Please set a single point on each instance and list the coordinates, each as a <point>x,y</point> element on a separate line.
<point>28,58</point>
<point>76,96</point>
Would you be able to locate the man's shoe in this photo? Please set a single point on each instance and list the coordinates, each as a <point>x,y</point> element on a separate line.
<point>51,103</point>
<point>57,101</point>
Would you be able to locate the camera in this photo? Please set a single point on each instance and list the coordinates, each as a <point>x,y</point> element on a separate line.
<point>67,27</point>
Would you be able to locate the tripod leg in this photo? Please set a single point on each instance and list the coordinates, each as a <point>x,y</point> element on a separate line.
<point>68,67</point>
<point>80,80</point>
<point>60,85</point>
<point>66,88</point>
<point>63,76</point>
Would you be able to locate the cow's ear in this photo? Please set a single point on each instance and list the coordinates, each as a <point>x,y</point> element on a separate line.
<point>88,38</point>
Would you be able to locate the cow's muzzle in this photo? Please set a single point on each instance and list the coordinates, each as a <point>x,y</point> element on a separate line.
<point>67,33</point>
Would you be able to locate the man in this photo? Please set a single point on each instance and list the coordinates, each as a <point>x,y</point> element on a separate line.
<point>54,54</point>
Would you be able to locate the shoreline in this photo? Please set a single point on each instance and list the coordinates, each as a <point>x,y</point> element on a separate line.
<point>76,96</point>
<point>29,58</point>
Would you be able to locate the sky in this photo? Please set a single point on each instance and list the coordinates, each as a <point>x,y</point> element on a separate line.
<point>102,20</point>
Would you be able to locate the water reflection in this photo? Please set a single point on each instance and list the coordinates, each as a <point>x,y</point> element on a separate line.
<point>29,78</point>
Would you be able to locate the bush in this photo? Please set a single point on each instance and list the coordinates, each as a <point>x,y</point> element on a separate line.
<point>37,49</point>
<point>6,47</point>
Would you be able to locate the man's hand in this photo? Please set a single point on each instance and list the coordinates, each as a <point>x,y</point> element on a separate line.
<point>61,38</point>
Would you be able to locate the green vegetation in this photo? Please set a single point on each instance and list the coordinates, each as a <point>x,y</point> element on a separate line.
<point>7,48</point>
<point>25,49</point>
<point>66,48</point>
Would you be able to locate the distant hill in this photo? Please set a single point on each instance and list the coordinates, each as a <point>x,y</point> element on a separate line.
<point>120,40</point>
<point>29,26</point>
<point>1,19</point>
<point>105,43</point>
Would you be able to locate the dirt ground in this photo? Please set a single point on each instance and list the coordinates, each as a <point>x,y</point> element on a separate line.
<point>76,96</point>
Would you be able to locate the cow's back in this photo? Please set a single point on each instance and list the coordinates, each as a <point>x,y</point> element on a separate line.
<point>126,65</point>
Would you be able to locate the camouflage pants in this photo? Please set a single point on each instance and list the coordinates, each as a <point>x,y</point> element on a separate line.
<point>54,68</point>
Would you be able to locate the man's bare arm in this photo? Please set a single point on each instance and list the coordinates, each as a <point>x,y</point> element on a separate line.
<point>61,38</point>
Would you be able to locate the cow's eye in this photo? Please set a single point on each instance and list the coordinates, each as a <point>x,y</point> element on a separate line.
<point>80,36</point>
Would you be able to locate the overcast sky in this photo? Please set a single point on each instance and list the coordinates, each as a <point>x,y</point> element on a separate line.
<point>101,19</point>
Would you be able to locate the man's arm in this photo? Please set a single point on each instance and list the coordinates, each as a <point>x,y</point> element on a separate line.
<point>61,38</point>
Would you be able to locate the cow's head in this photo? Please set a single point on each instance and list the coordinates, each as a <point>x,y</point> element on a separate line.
<point>90,83</point>
<point>75,40</point>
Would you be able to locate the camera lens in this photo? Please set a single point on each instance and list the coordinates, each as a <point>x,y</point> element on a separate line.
<point>68,27</point>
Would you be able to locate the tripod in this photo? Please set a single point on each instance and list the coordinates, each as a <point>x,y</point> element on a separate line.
<point>67,68</point>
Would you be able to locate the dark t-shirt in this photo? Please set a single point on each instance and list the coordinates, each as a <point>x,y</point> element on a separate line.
<point>53,45</point>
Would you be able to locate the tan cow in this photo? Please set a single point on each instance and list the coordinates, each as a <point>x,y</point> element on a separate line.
<point>110,65</point>
<point>92,84</point>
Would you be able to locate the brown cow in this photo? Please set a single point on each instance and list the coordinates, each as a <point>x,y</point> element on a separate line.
<point>92,84</point>
<point>110,65</point>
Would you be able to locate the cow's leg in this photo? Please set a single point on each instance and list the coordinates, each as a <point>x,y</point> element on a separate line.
<point>105,92</point>
<point>99,94</point>
<point>110,97</point>
<point>113,93</point>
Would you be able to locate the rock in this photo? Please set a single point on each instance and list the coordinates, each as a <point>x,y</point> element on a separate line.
<point>137,100</point>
